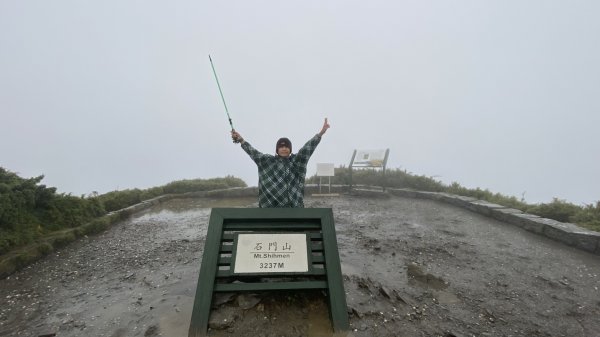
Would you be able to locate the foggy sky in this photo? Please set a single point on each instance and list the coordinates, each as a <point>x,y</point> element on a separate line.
<point>108,95</point>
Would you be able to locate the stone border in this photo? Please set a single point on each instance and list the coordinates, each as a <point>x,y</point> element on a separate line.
<point>566,233</point>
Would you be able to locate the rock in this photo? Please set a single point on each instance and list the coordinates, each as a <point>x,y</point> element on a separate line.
<point>221,298</point>
<point>452,334</point>
<point>399,298</point>
<point>362,283</point>
<point>247,301</point>
<point>223,318</point>
<point>80,325</point>
<point>356,313</point>
<point>128,276</point>
<point>383,291</point>
<point>151,331</point>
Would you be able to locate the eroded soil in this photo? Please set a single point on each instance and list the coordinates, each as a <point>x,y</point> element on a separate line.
<point>411,268</point>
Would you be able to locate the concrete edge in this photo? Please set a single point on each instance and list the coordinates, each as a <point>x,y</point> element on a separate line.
<point>567,233</point>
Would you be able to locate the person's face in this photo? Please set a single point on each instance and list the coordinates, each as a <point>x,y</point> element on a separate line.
<point>283,151</point>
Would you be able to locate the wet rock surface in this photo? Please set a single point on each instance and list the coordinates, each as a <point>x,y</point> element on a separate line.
<point>411,267</point>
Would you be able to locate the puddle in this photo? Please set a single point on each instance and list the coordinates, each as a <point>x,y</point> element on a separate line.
<point>416,276</point>
<point>348,269</point>
<point>186,218</point>
<point>412,225</point>
<point>184,205</point>
<point>444,297</point>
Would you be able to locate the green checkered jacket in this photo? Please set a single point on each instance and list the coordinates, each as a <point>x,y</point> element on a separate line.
<point>281,180</point>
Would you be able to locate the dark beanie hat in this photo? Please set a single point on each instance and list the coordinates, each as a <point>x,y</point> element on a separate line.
<point>281,142</point>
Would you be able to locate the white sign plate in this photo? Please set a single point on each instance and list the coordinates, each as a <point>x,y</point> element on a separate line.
<point>325,170</point>
<point>271,253</point>
<point>369,158</point>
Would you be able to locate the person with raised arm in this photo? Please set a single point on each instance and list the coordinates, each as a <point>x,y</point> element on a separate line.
<point>281,176</point>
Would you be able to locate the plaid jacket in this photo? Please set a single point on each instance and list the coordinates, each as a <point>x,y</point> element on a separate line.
<point>281,180</point>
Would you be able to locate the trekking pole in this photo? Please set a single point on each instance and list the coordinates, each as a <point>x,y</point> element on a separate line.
<point>222,98</point>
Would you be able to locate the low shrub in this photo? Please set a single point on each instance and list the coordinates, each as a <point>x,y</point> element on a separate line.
<point>96,225</point>
<point>558,210</point>
<point>63,239</point>
<point>587,216</point>
<point>199,185</point>
<point>45,248</point>
<point>116,200</point>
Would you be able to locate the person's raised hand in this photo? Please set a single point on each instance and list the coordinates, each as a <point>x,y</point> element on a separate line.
<point>324,128</point>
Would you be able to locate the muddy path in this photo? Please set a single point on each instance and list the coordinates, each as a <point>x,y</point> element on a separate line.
<point>411,267</point>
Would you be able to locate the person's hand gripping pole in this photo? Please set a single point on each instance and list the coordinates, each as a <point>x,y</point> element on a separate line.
<point>237,138</point>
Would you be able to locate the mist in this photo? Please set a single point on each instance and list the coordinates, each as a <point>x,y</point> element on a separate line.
<point>503,95</point>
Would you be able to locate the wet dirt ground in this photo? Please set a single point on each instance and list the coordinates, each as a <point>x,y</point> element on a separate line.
<point>411,267</point>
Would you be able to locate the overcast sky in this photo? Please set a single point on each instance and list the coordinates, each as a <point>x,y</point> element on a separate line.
<point>105,95</point>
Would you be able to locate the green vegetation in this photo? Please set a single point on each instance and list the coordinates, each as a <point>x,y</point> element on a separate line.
<point>30,211</point>
<point>587,216</point>
<point>35,216</point>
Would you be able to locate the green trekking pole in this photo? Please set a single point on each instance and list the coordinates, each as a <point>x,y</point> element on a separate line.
<point>222,97</point>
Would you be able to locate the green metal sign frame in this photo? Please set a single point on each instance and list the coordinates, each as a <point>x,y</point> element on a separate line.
<point>216,270</point>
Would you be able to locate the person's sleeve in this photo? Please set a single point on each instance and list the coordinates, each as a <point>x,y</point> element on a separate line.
<point>253,153</point>
<point>307,150</point>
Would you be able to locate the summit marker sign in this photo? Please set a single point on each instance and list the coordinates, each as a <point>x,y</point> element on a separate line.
<point>271,253</point>
<point>263,249</point>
